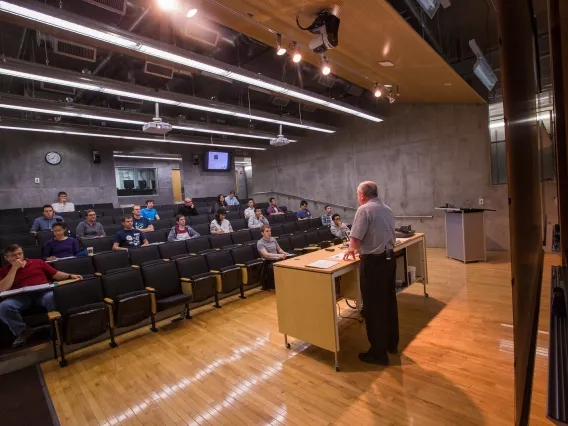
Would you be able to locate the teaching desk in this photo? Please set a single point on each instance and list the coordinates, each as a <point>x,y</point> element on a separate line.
<point>306,297</point>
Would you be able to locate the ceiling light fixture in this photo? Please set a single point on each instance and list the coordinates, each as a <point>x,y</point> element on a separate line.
<point>386,64</point>
<point>192,60</point>
<point>146,157</point>
<point>168,5</point>
<point>132,138</point>
<point>191,13</point>
<point>325,69</point>
<point>297,55</point>
<point>154,99</point>
<point>280,50</point>
<point>378,91</point>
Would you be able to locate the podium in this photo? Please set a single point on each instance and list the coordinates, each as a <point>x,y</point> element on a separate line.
<point>465,234</point>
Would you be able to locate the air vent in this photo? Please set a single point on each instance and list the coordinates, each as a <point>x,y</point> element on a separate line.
<point>309,107</point>
<point>201,34</point>
<point>130,100</point>
<point>116,6</point>
<point>158,70</point>
<point>325,80</point>
<point>50,87</point>
<point>355,90</point>
<point>74,50</point>
<point>280,101</point>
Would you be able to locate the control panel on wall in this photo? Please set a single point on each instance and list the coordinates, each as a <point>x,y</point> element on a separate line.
<point>53,158</point>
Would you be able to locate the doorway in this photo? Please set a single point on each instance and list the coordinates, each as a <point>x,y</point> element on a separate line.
<point>176,185</point>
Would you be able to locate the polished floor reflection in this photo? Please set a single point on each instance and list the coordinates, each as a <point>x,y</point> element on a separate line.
<point>229,366</point>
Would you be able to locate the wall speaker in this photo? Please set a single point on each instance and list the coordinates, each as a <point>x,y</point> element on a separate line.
<point>196,160</point>
<point>96,157</point>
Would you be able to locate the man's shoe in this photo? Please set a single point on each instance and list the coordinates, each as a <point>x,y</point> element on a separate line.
<point>372,359</point>
<point>22,338</point>
<point>393,351</point>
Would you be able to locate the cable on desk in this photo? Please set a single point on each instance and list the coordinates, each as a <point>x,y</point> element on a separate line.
<point>339,313</point>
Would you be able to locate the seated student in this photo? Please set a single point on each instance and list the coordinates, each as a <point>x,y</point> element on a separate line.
<point>231,199</point>
<point>221,203</point>
<point>129,237</point>
<point>90,228</point>
<point>150,212</point>
<point>273,207</point>
<point>139,222</point>
<point>220,225</point>
<point>60,246</point>
<point>45,222</point>
<point>182,232</point>
<point>303,213</point>
<point>63,206</point>
<point>338,228</point>
<point>257,220</point>
<point>187,208</point>
<point>22,272</point>
<point>270,251</point>
<point>249,211</point>
<point>326,216</point>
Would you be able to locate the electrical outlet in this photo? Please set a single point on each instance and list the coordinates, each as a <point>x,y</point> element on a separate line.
<point>481,201</point>
<point>36,180</point>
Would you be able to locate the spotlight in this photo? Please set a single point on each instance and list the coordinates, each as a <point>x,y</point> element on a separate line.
<point>168,4</point>
<point>280,50</point>
<point>378,91</point>
<point>191,13</point>
<point>297,55</point>
<point>325,69</point>
<point>391,98</point>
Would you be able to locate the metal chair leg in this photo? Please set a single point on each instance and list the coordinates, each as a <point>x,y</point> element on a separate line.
<point>242,296</point>
<point>153,319</point>
<point>187,313</point>
<point>112,343</point>
<point>217,301</point>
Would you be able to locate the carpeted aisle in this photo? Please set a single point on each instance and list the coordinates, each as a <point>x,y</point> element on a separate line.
<point>23,399</point>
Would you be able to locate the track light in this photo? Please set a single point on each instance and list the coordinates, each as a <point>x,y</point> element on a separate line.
<point>378,91</point>
<point>280,50</point>
<point>168,5</point>
<point>325,69</point>
<point>297,55</point>
<point>191,13</point>
<point>391,98</point>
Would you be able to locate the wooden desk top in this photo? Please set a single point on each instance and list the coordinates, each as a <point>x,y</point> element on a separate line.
<point>300,262</point>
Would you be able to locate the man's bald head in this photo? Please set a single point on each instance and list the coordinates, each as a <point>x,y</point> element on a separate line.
<point>368,189</point>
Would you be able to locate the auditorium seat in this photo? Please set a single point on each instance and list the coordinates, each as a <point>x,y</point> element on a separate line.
<point>196,220</point>
<point>270,218</point>
<point>98,244</point>
<point>203,210</point>
<point>170,249</point>
<point>144,255</point>
<point>261,205</point>
<point>105,220</point>
<point>27,211</point>
<point>255,233</point>
<point>79,265</point>
<point>285,244</point>
<point>21,239</point>
<point>229,276</point>
<point>15,229</point>
<point>69,215</point>
<point>161,224</point>
<point>303,225</point>
<point>298,241</point>
<point>251,266</point>
<point>111,230</point>
<point>43,237</point>
<point>312,238</point>
<point>105,206</point>
<point>315,223</point>
<point>196,279</point>
<point>82,207</point>
<point>277,229</point>
<point>220,240</point>
<point>72,225</point>
<point>241,237</point>
<point>166,214</point>
<point>17,219</point>
<point>289,228</point>
<point>157,236</point>
<point>109,261</point>
<point>211,217</point>
<point>117,219</point>
<point>279,218</point>
<point>200,245</point>
<point>238,224</point>
<point>81,313</point>
<point>202,229</point>
<point>326,236</point>
<point>233,215</point>
<point>291,217</point>
<point>127,299</point>
<point>163,282</point>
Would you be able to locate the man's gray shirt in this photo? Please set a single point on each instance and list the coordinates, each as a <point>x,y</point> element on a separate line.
<point>271,246</point>
<point>374,226</point>
<point>255,222</point>
<point>84,230</point>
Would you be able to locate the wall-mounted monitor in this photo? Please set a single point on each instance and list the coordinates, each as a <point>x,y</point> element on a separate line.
<point>217,161</point>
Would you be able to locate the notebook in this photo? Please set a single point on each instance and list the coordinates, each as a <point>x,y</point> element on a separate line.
<point>322,264</point>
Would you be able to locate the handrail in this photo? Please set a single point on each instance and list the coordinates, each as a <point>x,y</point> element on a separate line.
<point>337,205</point>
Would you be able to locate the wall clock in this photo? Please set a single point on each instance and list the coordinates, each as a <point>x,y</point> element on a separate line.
<point>53,158</point>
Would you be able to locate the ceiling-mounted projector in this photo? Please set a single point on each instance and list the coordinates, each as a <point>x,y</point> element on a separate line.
<point>157,126</point>
<point>326,28</point>
<point>280,140</point>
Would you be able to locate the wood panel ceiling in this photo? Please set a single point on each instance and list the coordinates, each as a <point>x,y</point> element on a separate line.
<point>370,31</point>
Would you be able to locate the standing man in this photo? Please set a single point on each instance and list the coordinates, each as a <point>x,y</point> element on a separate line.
<point>373,236</point>
<point>150,212</point>
<point>63,206</point>
<point>139,222</point>
<point>45,222</point>
<point>188,208</point>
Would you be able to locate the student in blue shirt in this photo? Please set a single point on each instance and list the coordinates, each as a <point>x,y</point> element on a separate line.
<point>128,237</point>
<point>139,222</point>
<point>303,213</point>
<point>45,222</point>
<point>150,212</point>
<point>231,199</point>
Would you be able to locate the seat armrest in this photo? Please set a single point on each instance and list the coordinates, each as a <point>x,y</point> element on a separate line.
<point>150,289</point>
<point>135,266</point>
<point>53,315</point>
<point>67,282</point>
<point>109,301</point>
<point>214,271</point>
<point>166,260</point>
<point>242,265</point>
<point>98,274</point>
<point>185,280</point>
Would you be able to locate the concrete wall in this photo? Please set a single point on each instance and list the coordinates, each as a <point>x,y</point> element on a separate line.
<point>23,159</point>
<point>421,156</point>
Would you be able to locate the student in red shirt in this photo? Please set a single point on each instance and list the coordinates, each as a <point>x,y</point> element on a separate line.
<point>22,272</point>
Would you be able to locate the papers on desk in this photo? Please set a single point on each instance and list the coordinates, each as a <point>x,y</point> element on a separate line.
<point>29,289</point>
<point>60,258</point>
<point>402,240</point>
<point>322,264</point>
<point>337,256</point>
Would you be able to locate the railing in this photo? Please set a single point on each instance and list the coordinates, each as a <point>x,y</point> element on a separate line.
<point>341,206</point>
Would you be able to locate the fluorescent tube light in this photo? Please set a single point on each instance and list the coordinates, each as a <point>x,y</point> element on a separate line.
<point>133,138</point>
<point>115,39</point>
<point>145,157</point>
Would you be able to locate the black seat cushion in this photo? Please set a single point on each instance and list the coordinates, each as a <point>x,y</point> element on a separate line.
<point>131,308</point>
<point>84,323</point>
<point>203,286</point>
<point>171,301</point>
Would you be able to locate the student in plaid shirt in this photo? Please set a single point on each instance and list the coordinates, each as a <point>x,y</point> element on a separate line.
<point>326,217</point>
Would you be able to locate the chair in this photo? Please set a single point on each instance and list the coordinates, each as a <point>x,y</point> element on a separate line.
<point>285,244</point>
<point>278,218</point>
<point>98,244</point>
<point>82,207</point>
<point>105,206</point>
<point>290,217</point>
<point>289,228</point>
<point>166,214</point>
<point>79,265</point>
<point>238,224</point>
<point>241,237</point>
<point>14,229</point>
<point>261,205</point>
<point>303,225</point>
<point>163,282</point>
<point>202,229</point>
<point>144,255</point>
<point>220,240</point>
<point>196,279</point>
<point>233,215</point>
<point>117,219</point>
<point>105,220</point>
<point>81,314</point>
<point>270,218</point>
<point>161,224</point>
<point>21,239</point>
<point>255,233</point>
<point>229,276</point>
<point>277,229</point>
<point>112,229</point>
<point>26,210</point>
<point>127,300</point>
<point>312,238</point>
<point>69,215</point>
<point>251,266</point>
<point>198,220</point>
<point>158,236</point>
<point>17,219</point>
<point>200,246</point>
<point>72,225</point>
<point>315,223</point>
<point>300,244</point>
<point>109,261</point>
<point>172,249</point>
<point>203,210</point>
<point>327,237</point>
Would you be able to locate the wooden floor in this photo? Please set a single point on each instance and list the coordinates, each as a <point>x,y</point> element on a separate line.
<point>230,366</point>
